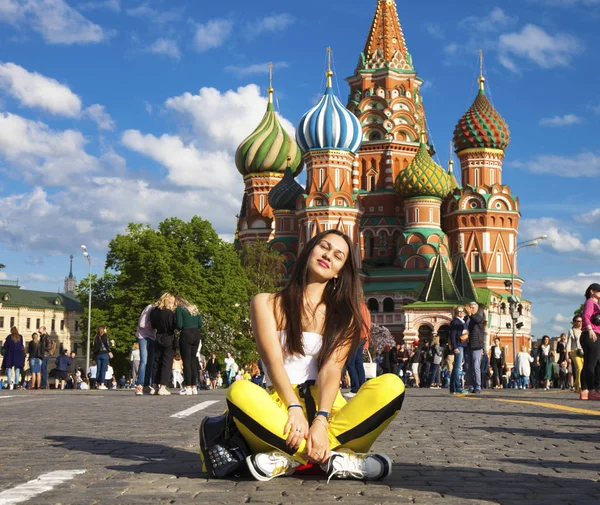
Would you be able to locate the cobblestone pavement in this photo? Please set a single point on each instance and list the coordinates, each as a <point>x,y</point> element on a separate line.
<point>492,448</point>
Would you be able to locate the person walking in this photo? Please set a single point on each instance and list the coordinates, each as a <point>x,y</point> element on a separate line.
<point>355,363</point>
<point>14,357</point>
<point>459,340</point>
<point>590,342</point>
<point>561,348</point>
<point>189,322</point>
<point>545,358</point>
<point>438,354</point>
<point>304,348</point>
<point>386,361</point>
<point>231,369</point>
<point>475,348</point>
<point>498,360</point>
<point>415,357</point>
<point>62,370</point>
<point>523,365</point>
<point>48,348</point>
<point>213,368</point>
<point>146,339</point>
<point>576,351</point>
<point>134,359</point>
<point>102,354</point>
<point>36,354</point>
<point>164,322</point>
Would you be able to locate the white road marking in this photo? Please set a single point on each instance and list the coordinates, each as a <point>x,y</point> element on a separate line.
<point>45,482</point>
<point>193,410</point>
<point>9,396</point>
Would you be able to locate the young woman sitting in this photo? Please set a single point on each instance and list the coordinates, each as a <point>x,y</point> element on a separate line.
<point>304,335</point>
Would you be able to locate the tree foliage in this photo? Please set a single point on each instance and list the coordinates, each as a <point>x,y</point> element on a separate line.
<point>264,266</point>
<point>186,258</point>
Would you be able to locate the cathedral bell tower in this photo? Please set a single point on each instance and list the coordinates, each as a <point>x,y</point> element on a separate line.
<point>329,136</point>
<point>262,160</point>
<point>482,217</point>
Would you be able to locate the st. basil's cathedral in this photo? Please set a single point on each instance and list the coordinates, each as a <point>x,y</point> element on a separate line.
<point>425,243</point>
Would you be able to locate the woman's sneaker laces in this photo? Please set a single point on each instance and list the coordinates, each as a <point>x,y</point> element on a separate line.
<point>351,465</point>
<point>268,465</point>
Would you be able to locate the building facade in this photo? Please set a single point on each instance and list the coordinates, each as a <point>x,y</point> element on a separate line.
<point>30,310</point>
<point>370,173</point>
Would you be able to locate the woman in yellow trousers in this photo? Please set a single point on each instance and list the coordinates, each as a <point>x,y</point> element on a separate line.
<point>576,352</point>
<point>304,335</point>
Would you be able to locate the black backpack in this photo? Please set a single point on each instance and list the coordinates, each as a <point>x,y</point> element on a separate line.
<point>223,450</point>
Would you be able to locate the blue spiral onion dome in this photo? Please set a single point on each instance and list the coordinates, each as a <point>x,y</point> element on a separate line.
<point>268,147</point>
<point>329,125</point>
<point>284,194</point>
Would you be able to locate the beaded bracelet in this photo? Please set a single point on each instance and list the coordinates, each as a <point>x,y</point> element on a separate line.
<point>291,405</point>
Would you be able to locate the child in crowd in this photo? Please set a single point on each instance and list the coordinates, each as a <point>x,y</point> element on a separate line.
<point>177,370</point>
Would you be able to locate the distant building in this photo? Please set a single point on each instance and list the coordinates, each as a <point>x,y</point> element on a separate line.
<point>30,310</point>
<point>70,281</point>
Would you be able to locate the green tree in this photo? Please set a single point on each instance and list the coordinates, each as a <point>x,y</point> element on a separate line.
<point>188,259</point>
<point>263,265</point>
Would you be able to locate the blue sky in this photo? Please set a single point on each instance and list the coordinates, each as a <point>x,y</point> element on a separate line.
<point>114,111</point>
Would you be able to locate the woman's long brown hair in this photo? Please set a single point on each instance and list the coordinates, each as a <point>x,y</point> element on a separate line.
<point>342,298</point>
<point>15,334</point>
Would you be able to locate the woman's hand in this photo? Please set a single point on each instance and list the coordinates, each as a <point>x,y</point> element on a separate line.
<point>296,427</point>
<point>592,335</point>
<point>317,444</point>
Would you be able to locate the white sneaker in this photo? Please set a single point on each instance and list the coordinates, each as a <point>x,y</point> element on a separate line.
<point>350,394</point>
<point>11,387</point>
<point>268,465</point>
<point>351,465</point>
<point>183,391</point>
<point>194,391</point>
<point>139,390</point>
<point>151,390</point>
<point>163,391</point>
<point>102,386</point>
<point>186,392</point>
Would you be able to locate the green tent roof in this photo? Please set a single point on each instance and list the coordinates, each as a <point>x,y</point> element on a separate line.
<point>462,279</point>
<point>439,286</point>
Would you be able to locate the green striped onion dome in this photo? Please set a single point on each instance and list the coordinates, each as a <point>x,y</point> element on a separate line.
<point>267,148</point>
<point>423,177</point>
<point>284,194</point>
<point>481,126</point>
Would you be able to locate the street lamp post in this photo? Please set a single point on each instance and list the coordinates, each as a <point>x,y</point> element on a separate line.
<point>87,352</point>
<point>514,315</point>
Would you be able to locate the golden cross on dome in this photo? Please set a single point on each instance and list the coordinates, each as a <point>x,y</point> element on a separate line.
<point>481,78</point>
<point>271,82</point>
<point>329,73</point>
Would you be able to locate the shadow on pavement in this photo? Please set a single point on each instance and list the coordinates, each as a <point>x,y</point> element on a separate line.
<point>148,457</point>
<point>506,488</point>
<point>553,463</point>
<point>571,416</point>
<point>580,436</point>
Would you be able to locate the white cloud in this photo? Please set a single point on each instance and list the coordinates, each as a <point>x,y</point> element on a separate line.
<point>495,21</point>
<point>435,30</point>
<point>166,47</point>
<point>565,288</point>
<point>532,43</point>
<point>35,90</point>
<point>255,68</point>
<point>111,5</point>
<point>144,10</point>
<point>42,155</point>
<point>187,165</point>
<point>559,318</point>
<point>270,24</point>
<point>569,3</point>
<point>589,218</point>
<point>102,118</point>
<point>560,239</point>
<point>566,120</point>
<point>239,113</point>
<point>93,210</point>
<point>451,48</point>
<point>595,109</point>
<point>212,34</point>
<point>55,20</point>
<point>585,164</point>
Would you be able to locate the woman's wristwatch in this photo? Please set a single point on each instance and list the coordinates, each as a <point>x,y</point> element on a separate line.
<point>323,413</point>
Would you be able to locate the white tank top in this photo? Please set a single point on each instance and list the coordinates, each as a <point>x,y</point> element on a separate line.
<point>301,368</point>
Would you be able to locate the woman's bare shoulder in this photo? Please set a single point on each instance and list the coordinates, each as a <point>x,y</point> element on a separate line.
<point>263,301</point>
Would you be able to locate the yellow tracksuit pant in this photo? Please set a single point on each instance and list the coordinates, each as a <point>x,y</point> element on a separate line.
<point>261,416</point>
<point>577,366</point>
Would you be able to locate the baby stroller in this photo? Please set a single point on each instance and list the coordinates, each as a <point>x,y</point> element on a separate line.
<point>409,380</point>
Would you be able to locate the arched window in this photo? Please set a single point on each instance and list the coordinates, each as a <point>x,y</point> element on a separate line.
<point>372,182</point>
<point>373,305</point>
<point>388,305</point>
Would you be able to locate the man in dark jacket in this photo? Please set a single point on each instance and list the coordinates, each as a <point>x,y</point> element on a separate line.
<point>46,344</point>
<point>458,339</point>
<point>476,343</point>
